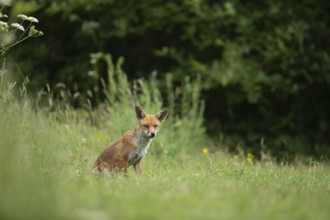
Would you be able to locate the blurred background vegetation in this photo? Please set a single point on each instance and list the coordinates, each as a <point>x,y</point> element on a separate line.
<point>255,74</point>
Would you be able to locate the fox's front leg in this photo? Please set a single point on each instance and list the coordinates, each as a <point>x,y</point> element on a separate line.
<point>137,168</point>
<point>125,168</point>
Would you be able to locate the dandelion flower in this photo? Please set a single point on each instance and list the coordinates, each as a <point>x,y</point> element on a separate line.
<point>205,151</point>
<point>18,26</point>
<point>250,158</point>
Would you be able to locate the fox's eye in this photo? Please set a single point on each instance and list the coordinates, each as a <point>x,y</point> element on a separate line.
<point>155,126</point>
<point>146,126</point>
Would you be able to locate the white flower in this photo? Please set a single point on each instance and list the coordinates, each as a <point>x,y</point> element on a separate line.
<point>23,17</point>
<point>3,15</point>
<point>3,27</point>
<point>33,19</point>
<point>26,18</point>
<point>18,26</point>
<point>3,24</point>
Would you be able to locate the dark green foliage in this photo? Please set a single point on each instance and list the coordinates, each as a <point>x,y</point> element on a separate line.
<point>264,64</point>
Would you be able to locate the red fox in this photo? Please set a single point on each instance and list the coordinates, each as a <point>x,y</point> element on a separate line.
<point>132,147</point>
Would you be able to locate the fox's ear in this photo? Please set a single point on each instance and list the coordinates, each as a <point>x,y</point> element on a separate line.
<point>162,115</point>
<point>139,112</point>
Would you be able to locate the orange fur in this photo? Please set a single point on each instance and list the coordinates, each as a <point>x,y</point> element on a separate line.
<point>132,147</point>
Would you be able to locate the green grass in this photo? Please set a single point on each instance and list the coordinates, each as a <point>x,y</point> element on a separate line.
<point>46,162</point>
<point>46,159</point>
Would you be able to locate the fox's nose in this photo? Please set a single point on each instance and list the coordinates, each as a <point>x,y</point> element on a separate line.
<point>152,134</point>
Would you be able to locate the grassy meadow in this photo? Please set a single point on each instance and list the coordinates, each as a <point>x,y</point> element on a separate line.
<point>46,159</point>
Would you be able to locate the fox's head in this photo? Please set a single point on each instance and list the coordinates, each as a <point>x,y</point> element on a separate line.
<point>150,123</point>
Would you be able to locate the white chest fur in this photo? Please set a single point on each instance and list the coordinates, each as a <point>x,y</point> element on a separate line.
<point>142,146</point>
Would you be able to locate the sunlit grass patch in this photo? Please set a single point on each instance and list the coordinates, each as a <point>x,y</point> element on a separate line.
<point>46,165</point>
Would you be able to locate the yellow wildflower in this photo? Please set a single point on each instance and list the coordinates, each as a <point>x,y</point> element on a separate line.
<point>250,158</point>
<point>205,151</point>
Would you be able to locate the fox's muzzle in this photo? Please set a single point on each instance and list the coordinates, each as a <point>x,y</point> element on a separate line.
<point>150,134</point>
